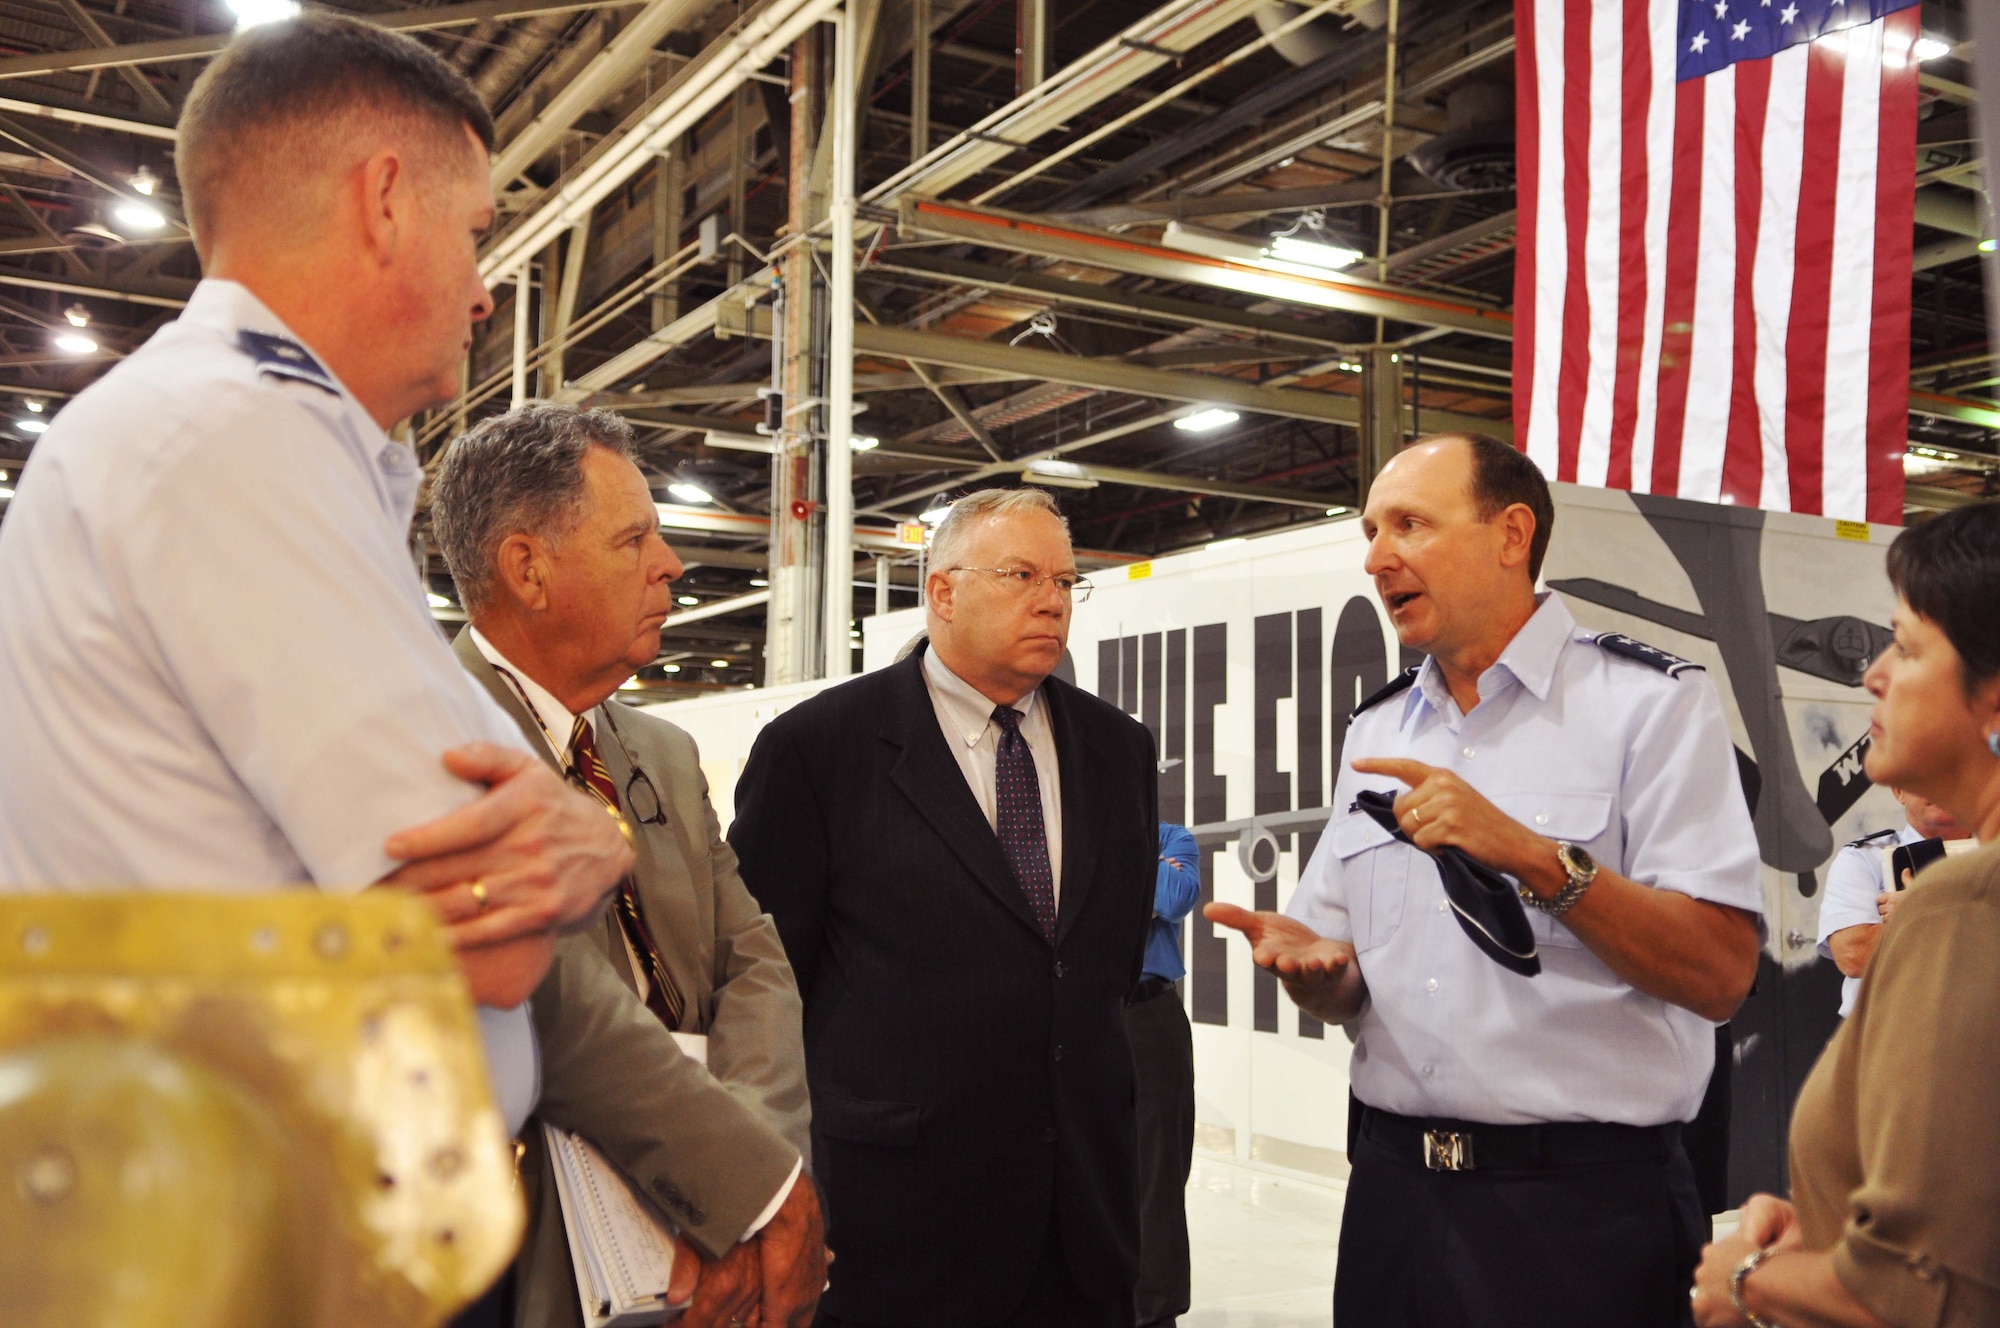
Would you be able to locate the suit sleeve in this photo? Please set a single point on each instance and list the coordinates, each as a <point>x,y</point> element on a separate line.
<point>756,1044</point>
<point>612,1073</point>
<point>779,837</point>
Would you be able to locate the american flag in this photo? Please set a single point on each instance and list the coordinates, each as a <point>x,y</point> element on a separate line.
<point>1712,289</point>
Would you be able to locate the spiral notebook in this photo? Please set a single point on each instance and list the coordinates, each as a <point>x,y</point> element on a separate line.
<point>622,1247</point>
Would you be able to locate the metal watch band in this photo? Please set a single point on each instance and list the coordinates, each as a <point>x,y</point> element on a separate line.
<point>1563,900</point>
<point>1751,1263</point>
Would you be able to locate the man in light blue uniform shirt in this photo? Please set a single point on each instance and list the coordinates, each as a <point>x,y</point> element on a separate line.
<point>1859,896</point>
<point>1163,1055</point>
<point>217,662</point>
<point>1517,1157</point>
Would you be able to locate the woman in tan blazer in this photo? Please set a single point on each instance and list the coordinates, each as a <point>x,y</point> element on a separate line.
<point>1895,1151</point>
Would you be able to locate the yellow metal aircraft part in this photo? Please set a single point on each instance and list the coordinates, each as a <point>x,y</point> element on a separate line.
<point>235,1111</point>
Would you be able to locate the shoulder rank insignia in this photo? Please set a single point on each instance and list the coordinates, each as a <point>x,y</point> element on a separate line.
<point>1400,683</point>
<point>1639,652</point>
<point>1877,837</point>
<point>284,358</point>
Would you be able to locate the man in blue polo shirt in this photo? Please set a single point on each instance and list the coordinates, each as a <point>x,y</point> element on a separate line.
<point>1163,1053</point>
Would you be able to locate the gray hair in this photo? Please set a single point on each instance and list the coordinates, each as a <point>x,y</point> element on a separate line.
<point>513,473</point>
<point>956,528</point>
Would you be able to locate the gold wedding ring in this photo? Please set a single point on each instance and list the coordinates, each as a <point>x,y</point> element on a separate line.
<point>1416,816</point>
<point>479,898</point>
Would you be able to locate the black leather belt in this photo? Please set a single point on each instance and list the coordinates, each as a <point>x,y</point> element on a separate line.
<point>1451,1145</point>
<point>1148,988</point>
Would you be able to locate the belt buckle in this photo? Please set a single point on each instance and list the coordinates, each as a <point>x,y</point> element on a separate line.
<point>1447,1150</point>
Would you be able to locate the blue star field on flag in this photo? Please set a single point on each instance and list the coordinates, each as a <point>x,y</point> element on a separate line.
<point>1715,34</point>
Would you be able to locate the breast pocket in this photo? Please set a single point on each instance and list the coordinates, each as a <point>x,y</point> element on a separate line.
<point>1375,877</point>
<point>1574,818</point>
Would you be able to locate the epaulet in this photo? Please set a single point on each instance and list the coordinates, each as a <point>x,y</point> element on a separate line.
<point>1639,652</point>
<point>1870,839</point>
<point>282,357</point>
<point>1400,683</point>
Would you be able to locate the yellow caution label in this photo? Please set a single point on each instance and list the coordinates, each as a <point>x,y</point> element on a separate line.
<point>1138,571</point>
<point>1851,530</point>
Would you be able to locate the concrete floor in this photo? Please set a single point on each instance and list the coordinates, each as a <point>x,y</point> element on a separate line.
<point>1263,1247</point>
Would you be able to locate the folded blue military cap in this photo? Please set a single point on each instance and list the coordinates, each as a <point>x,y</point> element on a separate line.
<point>1485,902</point>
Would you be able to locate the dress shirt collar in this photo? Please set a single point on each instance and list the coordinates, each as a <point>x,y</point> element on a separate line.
<point>969,712</point>
<point>553,715</point>
<point>1530,659</point>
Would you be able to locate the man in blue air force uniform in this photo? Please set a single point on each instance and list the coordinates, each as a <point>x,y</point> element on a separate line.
<point>1517,1156</point>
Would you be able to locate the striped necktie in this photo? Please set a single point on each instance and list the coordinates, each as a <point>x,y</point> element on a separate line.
<point>587,771</point>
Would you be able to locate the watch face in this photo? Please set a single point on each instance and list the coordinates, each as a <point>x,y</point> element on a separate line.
<point>1578,860</point>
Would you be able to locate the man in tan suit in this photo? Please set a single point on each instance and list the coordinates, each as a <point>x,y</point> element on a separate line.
<point>553,540</point>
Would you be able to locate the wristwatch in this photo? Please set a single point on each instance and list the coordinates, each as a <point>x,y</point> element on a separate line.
<point>1751,1263</point>
<point>1581,869</point>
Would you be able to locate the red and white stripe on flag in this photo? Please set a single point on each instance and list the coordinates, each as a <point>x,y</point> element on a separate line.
<point>1712,288</point>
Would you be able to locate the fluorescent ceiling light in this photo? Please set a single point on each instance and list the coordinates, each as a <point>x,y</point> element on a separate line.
<point>36,406</point>
<point>1312,253</point>
<point>1203,420</point>
<point>75,343</point>
<point>930,516</point>
<point>719,664</point>
<point>688,601</point>
<point>759,581</point>
<point>863,443</point>
<point>249,13</point>
<point>32,426</point>
<point>77,315</point>
<point>690,493</point>
<point>1336,511</point>
<point>6,492</point>
<point>1060,474</point>
<point>670,668</point>
<point>1226,543</point>
<point>436,600</point>
<point>630,685</point>
<point>144,181</point>
<point>1988,245</point>
<point>1929,48</point>
<point>139,216</point>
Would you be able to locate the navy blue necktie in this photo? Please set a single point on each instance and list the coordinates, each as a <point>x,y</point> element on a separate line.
<point>1018,822</point>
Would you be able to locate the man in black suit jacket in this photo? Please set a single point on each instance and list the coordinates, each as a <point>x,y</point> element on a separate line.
<point>965,920</point>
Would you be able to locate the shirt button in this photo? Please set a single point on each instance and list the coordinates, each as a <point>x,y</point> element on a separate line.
<point>1058,1051</point>
<point>1432,985</point>
<point>1444,906</point>
<point>1472,751</point>
<point>1541,818</point>
<point>1059,968</point>
<point>1429,1071</point>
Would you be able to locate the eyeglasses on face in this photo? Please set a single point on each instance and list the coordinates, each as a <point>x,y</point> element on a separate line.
<point>1025,581</point>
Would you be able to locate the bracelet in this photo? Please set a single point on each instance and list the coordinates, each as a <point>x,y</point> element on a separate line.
<point>1751,1263</point>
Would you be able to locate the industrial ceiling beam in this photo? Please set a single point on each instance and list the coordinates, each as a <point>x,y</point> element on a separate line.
<point>89,119</point>
<point>206,44</point>
<point>1090,295</point>
<point>1161,38</point>
<point>160,292</point>
<point>701,85</point>
<point>624,57</point>
<point>1158,479</point>
<point>1119,253</point>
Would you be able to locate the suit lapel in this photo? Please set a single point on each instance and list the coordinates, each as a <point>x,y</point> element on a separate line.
<point>1080,803</point>
<point>931,779</point>
<point>610,939</point>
